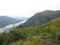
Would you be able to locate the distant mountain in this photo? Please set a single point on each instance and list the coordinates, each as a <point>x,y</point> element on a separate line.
<point>20,17</point>
<point>42,17</point>
<point>4,20</point>
<point>23,18</point>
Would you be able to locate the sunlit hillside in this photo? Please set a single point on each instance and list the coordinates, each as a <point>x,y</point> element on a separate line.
<point>37,33</point>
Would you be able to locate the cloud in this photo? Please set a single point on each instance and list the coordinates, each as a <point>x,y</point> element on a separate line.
<point>26,8</point>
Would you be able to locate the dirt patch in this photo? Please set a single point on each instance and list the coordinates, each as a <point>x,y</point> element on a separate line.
<point>46,42</point>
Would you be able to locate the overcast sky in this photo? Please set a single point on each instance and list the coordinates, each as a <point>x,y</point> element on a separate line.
<point>26,8</point>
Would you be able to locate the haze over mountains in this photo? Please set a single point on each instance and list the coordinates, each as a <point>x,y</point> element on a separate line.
<point>4,20</point>
<point>42,17</point>
<point>38,18</point>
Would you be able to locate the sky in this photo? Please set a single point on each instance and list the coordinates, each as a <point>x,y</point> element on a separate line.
<point>26,8</point>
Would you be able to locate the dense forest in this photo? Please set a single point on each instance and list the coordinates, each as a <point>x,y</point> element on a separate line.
<point>39,34</point>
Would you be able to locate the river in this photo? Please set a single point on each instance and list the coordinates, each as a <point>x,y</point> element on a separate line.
<point>8,27</point>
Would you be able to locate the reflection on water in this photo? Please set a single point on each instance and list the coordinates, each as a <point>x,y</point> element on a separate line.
<point>6,28</point>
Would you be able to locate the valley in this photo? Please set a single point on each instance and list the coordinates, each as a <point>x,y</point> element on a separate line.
<point>43,28</point>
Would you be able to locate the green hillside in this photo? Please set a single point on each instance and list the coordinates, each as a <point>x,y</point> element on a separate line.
<point>32,35</point>
<point>53,25</point>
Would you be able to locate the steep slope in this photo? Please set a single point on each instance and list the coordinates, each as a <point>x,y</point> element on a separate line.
<point>7,20</point>
<point>46,34</point>
<point>42,17</point>
<point>53,25</point>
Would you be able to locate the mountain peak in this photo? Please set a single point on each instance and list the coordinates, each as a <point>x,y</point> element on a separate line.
<point>42,17</point>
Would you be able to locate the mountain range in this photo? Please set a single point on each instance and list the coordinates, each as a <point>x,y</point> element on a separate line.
<point>4,20</point>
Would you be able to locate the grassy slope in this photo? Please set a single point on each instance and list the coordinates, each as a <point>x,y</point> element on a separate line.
<point>53,26</point>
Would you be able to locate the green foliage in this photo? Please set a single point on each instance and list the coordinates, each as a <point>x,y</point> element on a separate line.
<point>32,34</point>
<point>46,35</point>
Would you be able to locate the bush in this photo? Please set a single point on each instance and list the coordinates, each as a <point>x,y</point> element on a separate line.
<point>45,35</point>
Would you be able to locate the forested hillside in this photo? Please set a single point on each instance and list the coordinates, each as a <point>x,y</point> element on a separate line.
<point>31,35</point>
